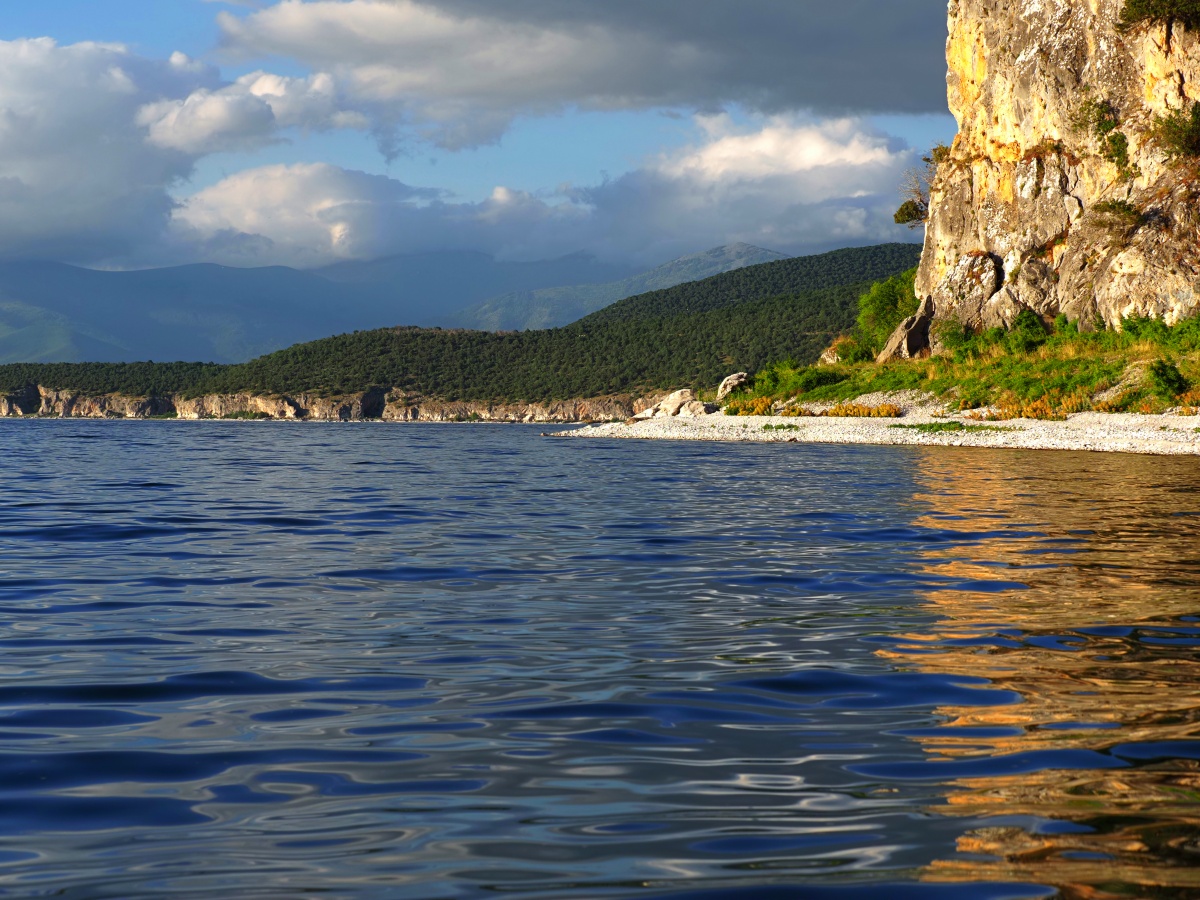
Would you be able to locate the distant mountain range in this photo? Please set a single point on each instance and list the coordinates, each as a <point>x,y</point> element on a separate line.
<point>50,312</point>
<point>554,307</point>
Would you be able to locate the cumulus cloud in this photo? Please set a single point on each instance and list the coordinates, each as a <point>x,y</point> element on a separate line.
<point>78,181</point>
<point>788,184</point>
<point>246,114</point>
<point>459,71</point>
<point>301,215</point>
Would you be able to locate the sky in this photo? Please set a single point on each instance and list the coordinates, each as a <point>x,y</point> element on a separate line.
<point>138,133</point>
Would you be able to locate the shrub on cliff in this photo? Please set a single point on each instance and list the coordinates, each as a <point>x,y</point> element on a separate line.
<point>1160,11</point>
<point>916,185</point>
<point>1179,133</point>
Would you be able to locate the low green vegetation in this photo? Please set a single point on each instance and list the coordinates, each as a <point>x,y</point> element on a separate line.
<point>1033,369</point>
<point>1099,118</point>
<point>949,427</point>
<point>1161,11</point>
<point>1118,215</point>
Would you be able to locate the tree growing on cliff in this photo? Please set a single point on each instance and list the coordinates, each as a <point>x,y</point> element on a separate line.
<point>1161,12</point>
<point>914,188</point>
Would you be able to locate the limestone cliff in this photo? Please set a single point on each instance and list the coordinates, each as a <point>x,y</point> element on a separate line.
<point>1022,213</point>
<point>394,406</point>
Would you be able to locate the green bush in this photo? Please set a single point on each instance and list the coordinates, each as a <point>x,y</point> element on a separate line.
<point>852,351</point>
<point>883,307</point>
<point>1026,334</point>
<point>1166,380</point>
<point>1099,118</point>
<point>1137,11</point>
<point>790,378</point>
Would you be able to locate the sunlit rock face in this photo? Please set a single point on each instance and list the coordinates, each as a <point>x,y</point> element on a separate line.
<point>1025,175</point>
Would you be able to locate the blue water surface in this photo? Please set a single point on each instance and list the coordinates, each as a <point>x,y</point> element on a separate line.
<point>250,660</point>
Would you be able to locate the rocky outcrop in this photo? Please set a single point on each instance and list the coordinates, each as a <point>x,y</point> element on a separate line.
<point>392,406</point>
<point>731,384</point>
<point>1055,196</point>
<point>680,403</point>
<point>605,409</point>
<point>911,337</point>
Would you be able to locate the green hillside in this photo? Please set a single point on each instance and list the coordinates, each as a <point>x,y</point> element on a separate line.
<point>691,335</point>
<point>788,276</point>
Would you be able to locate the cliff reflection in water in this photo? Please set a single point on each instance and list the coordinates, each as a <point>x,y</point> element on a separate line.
<point>1103,646</point>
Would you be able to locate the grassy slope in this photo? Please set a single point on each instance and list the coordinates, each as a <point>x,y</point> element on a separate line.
<point>1045,375</point>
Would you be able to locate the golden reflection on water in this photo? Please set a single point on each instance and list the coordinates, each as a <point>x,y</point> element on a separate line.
<point>1103,645</point>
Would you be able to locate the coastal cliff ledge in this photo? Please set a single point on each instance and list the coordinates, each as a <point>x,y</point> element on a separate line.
<point>36,401</point>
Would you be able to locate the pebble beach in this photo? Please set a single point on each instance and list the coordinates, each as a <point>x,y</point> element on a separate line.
<point>922,423</point>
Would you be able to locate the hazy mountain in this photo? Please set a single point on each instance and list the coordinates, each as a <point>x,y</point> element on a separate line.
<point>50,312</point>
<point>552,307</point>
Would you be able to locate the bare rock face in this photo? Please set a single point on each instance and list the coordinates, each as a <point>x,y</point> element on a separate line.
<point>393,406</point>
<point>415,409</point>
<point>1014,222</point>
<point>911,337</point>
<point>731,384</point>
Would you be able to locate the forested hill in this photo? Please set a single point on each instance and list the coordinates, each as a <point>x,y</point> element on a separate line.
<point>786,276</point>
<point>692,335</point>
<point>695,350</point>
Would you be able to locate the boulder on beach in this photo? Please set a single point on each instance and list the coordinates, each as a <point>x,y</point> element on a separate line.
<point>731,384</point>
<point>680,403</point>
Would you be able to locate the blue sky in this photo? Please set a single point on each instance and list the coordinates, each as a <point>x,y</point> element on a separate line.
<point>152,27</point>
<point>307,131</point>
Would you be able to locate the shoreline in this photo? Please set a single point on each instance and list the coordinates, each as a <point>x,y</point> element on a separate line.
<point>1166,434</point>
<point>1160,435</point>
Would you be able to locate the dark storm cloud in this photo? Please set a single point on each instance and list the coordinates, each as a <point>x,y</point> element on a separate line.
<point>826,55</point>
<point>458,72</point>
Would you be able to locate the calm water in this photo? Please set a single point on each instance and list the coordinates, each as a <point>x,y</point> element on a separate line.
<point>253,660</point>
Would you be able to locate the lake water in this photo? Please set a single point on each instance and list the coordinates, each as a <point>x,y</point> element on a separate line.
<point>278,660</point>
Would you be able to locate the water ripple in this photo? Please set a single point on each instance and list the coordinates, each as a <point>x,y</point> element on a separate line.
<point>454,662</point>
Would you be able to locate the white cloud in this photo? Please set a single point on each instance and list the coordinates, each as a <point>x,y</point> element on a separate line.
<point>93,138</point>
<point>301,215</point>
<point>459,80</point>
<point>80,181</point>
<point>791,185</point>
<point>246,114</point>
<point>782,146</point>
